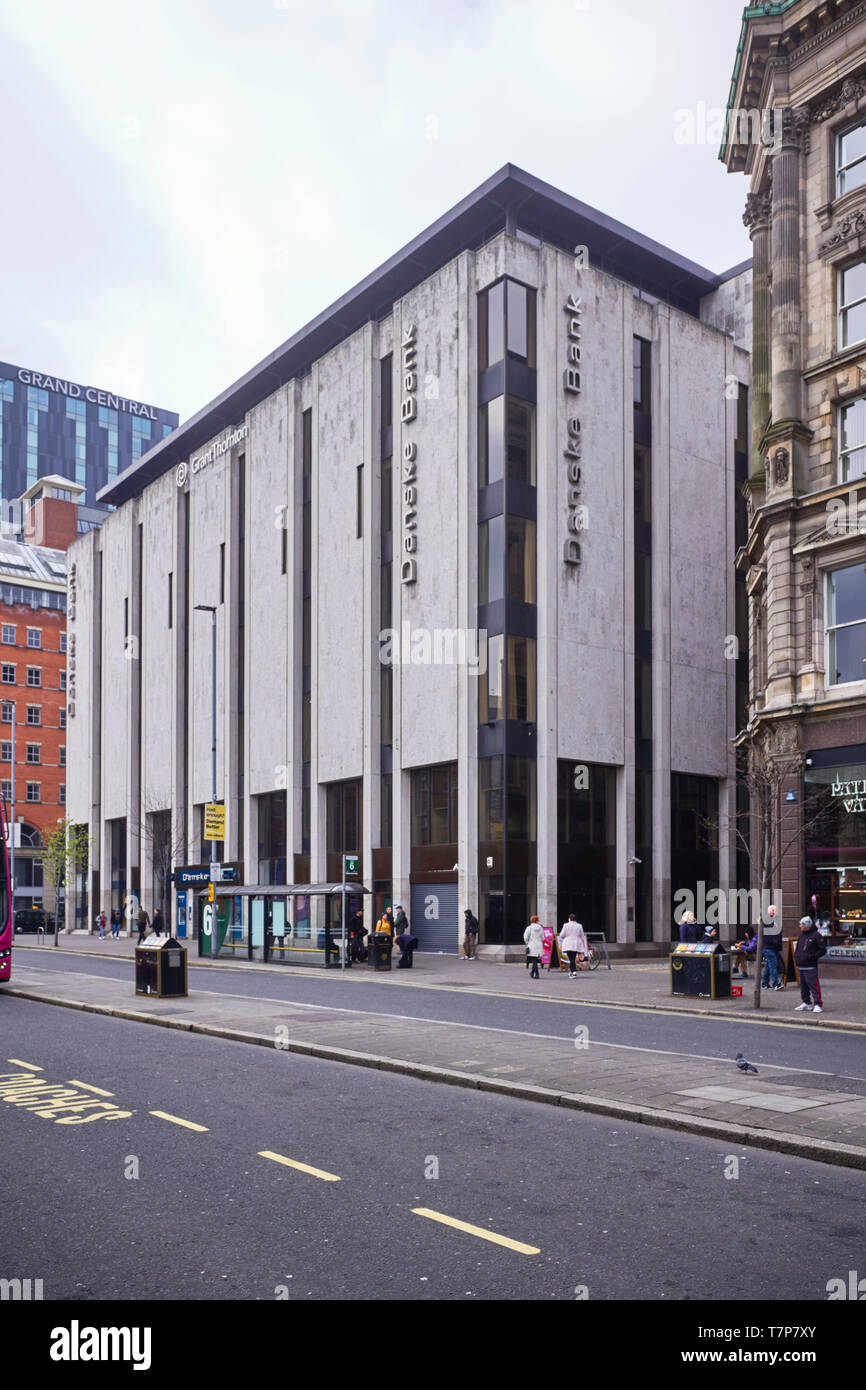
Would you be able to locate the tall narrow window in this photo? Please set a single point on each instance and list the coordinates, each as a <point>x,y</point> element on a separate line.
<point>491,325</point>
<point>852,442</point>
<point>171,599</point>
<point>222,573</point>
<point>852,304</point>
<point>641,374</point>
<point>359,501</point>
<point>851,159</point>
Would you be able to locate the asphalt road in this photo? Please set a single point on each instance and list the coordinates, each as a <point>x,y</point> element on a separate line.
<point>833,1052</point>
<point>143,1207</point>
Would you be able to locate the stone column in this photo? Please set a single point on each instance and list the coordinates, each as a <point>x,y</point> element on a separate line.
<point>786,352</point>
<point>757,219</point>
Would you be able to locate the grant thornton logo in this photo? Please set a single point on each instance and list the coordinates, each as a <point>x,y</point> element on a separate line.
<point>181,474</point>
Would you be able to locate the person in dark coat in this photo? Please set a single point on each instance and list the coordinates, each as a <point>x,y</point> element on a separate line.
<point>142,921</point>
<point>157,926</point>
<point>407,944</point>
<point>689,928</point>
<point>810,947</point>
<point>357,936</point>
<point>470,935</point>
<point>116,922</point>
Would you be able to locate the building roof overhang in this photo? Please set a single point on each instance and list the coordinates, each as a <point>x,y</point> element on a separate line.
<point>509,200</point>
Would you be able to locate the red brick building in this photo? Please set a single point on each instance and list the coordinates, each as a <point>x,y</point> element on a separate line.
<point>33,679</point>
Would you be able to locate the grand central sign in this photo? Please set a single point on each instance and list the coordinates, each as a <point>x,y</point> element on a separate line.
<point>88,393</point>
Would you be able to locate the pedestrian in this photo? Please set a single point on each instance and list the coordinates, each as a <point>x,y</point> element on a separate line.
<point>401,922</point>
<point>688,927</point>
<point>772,952</point>
<point>158,925</point>
<point>711,935</point>
<point>142,921</point>
<point>100,922</point>
<point>470,934</point>
<point>573,943</point>
<point>407,944</point>
<point>534,938</point>
<point>808,951</point>
<point>743,952</point>
<point>357,935</point>
<point>116,922</point>
<point>385,923</point>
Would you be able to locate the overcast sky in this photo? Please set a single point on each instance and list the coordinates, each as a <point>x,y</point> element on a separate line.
<point>191,181</point>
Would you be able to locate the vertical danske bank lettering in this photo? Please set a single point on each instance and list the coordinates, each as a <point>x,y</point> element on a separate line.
<point>571,380</point>
<point>408,413</point>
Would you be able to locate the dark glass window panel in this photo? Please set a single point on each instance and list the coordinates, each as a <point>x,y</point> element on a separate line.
<point>386,676</point>
<point>385,597</point>
<point>440,804</point>
<point>643,700</point>
<point>307,442</point>
<point>387,497</point>
<point>491,560</point>
<point>643,594</point>
<point>491,685</point>
<point>742,441</point>
<point>491,326</point>
<point>491,441</point>
<point>306,536</point>
<point>521,678</point>
<point>305,815</point>
<point>517,319</point>
<point>352,824</point>
<point>521,442</point>
<point>521,798</point>
<point>520,558</point>
<point>641,374</point>
<point>387,384</point>
<point>306,714</point>
<point>491,799</point>
<point>852,145</point>
<point>643,808</point>
<point>386,820</point>
<point>306,636</point>
<point>642,486</point>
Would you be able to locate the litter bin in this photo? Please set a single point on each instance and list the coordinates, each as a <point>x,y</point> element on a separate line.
<point>381,947</point>
<point>160,969</point>
<point>701,970</point>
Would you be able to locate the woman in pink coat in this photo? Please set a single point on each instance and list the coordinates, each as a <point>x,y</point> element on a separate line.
<point>573,943</point>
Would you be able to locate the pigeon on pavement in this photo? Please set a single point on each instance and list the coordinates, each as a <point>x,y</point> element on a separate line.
<point>744,1065</point>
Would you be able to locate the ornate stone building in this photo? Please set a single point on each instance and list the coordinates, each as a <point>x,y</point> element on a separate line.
<point>797,127</point>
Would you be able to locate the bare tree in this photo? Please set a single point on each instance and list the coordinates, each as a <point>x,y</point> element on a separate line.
<point>65,853</point>
<point>167,846</point>
<point>766,758</point>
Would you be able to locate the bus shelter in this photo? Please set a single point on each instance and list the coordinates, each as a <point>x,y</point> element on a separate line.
<point>277,923</point>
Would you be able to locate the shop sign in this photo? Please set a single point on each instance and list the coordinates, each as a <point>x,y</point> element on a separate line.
<point>852,794</point>
<point>202,876</point>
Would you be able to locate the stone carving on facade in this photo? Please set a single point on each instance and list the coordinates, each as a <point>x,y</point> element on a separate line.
<point>807,589</point>
<point>758,207</point>
<point>781,467</point>
<point>795,126</point>
<point>852,89</point>
<point>853,224</point>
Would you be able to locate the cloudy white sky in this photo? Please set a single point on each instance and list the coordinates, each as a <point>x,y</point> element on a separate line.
<point>188,182</point>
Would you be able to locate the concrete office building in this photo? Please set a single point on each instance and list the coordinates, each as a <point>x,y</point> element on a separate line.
<point>49,425</point>
<point>805,62</point>
<point>528,424</point>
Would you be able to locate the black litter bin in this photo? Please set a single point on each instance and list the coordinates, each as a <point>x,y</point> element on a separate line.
<point>381,947</point>
<point>701,970</point>
<point>160,969</point>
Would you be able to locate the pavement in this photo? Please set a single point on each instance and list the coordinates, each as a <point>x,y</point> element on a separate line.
<point>788,1109</point>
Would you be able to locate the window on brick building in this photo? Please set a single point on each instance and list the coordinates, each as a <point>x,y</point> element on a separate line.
<point>34,752</point>
<point>7,673</point>
<point>34,791</point>
<point>34,714</point>
<point>6,711</point>
<point>34,637</point>
<point>9,634</point>
<point>34,675</point>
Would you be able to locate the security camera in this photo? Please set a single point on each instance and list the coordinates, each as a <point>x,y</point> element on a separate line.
<point>634,860</point>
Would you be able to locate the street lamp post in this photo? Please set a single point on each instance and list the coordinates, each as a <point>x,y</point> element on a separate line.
<point>208,608</point>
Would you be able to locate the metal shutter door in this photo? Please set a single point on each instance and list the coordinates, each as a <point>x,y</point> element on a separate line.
<point>434,917</point>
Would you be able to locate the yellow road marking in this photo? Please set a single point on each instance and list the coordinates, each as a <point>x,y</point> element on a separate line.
<point>95,1089</point>
<point>304,1167</point>
<point>18,1063</point>
<point>477,1231</point>
<point>175,1120</point>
